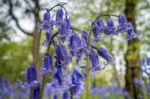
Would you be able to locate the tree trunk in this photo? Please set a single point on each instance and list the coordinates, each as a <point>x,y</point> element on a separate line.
<point>132,56</point>
<point>36,37</point>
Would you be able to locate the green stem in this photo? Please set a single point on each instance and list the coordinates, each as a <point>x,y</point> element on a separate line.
<point>31,91</point>
<point>87,77</point>
<point>42,87</point>
<point>71,93</point>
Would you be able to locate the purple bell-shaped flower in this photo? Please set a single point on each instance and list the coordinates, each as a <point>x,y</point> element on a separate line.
<point>62,55</point>
<point>122,24</point>
<point>59,15</point>
<point>36,91</point>
<point>47,64</point>
<point>63,30</point>
<point>130,32</point>
<point>65,95</point>
<point>94,59</point>
<point>110,28</point>
<point>47,24</point>
<point>31,74</point>
<point>104,54</point>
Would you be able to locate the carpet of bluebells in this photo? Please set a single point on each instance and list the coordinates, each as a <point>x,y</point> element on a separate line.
<point>71,46</point>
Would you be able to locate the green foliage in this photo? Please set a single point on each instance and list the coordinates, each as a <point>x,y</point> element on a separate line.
<point>14,58</point>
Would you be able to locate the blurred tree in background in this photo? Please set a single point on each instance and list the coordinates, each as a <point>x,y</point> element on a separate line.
<point>132,56</point>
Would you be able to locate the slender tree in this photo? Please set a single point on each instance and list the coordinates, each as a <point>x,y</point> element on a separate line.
<point>132,56</point>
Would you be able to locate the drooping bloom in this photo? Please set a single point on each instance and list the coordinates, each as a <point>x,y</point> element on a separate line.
<point>62,55</point>
<point>68,23</point>
<point>104,54</point>
<point>36,91</point>
<point>46,16</point>
<point>94,59</point>
<point>59,74</point>
<point>96,31</point>
<point>59,15</point>
<point>75,82</point>
<point>78,74</point>
<point>63,30</point>
<point>65,95</point>
<point>5,88</point>
<point>74,42</point>
<point>77,45</point>
<point>47,64</point>
<point>31,74</point>
<point>101,25</point>
<point>130,32</point>
<point>48,38</point>
<point>47,24</point>
<point>122,24</point>
<point>78,87</point>
<point>98,28</point>
<point>55,96</point>
<point>110,28</point>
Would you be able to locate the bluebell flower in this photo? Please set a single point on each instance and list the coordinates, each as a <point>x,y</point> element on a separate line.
<point>101,25</point>
<point>110,28</point>
<point>65,95</point>
<point>59,75</point>
<point>63,30</point>
<point>130,32</point>
<point>36,91</point>
<point>48,38</point>
<point>104,54</point>
<point>46,16</point>
<point>78,87</point>
<point>74,42</point>
<point>55,96</point>
<point>68,23</point>
<point>59,15</point>
<point>77,45</point>
<point>47,64</point>
<point>31,74</point>
<point>122,24</point>
<point>46,26</point>
<point>94,59</point>
<point>6,89</point>
<point>78,74</point>
<point>96,31</point>
<point>62,55</point>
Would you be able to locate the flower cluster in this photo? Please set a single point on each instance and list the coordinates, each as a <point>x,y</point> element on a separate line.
<point>99,28</point>
<point>71,45</point>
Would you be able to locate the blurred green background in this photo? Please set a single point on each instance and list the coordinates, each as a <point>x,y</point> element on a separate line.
<point>18,34</point>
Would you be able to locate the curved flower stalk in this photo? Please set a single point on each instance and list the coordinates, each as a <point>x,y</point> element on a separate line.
<point>80,46</point>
